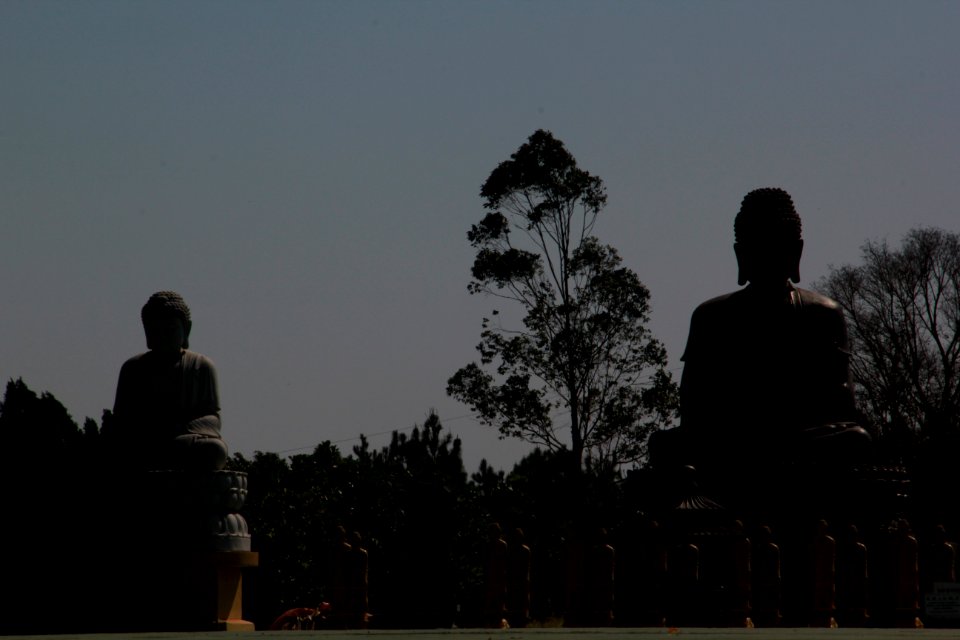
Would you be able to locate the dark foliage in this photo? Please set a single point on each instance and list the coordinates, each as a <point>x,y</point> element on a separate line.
<point>410,501</point>
<point>49,476</point>
<point>582,360</point>
<point>903,310</point>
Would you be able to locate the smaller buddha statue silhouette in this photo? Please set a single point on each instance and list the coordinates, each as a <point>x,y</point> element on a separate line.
<point>518,580</point>
<point>601,563</point>
<point>908,576</point>
<point>341,582</point>
<point>766,579</point>
<point>495,592</point>
<point>359,582</point>
<point>824,562</point>
<point>852,579</point>
<point>167,407</point>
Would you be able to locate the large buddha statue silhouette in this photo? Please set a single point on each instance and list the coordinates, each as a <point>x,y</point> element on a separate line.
<point>765,379</point>
<point>167,406</point>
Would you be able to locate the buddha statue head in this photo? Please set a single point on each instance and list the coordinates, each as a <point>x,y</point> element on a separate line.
<point>767,242</point>
<point>166,322</point>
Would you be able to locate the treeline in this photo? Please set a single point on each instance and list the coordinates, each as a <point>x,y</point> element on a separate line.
<point>54,479</point>
<point>422,518</point>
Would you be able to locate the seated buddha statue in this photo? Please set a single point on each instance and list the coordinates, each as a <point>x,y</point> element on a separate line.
<point>766,378</point>
<point>167,407</point>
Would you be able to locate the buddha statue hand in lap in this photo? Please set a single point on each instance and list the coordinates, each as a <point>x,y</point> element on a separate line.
<point>766,375</point>
<point>167,405</point>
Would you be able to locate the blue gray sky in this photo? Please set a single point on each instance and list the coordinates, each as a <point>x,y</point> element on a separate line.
<point>304,173</point>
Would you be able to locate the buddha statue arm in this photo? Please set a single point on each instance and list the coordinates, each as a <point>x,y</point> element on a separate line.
<point>830,379</point>
<point>122,403</point>
<point>691,392</point>
<point>128,402</point>
<point>203,408</point>
<point>208,426</point>
<point>696,401</point>
<point>200,446</point>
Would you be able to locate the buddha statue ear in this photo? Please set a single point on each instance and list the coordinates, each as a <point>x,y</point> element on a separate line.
<point>795,262</point>
<point>743,271</point>
<point>187,325</point>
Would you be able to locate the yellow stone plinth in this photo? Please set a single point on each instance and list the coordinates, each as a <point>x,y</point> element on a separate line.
<point>228,566</point>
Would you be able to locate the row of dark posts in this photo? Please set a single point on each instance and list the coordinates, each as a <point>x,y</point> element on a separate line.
<point>726,578</point>
<point>820,576</point>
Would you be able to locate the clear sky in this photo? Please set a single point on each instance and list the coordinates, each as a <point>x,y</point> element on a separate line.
<point>304,173</point>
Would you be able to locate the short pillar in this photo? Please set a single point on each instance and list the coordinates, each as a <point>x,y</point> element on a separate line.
<point>229,566</point>
<point>824,578</point>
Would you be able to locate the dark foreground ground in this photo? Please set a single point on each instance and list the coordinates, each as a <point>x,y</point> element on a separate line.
<point>539,634</point>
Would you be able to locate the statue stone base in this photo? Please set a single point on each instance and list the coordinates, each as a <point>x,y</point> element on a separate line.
<point>229,587</point>
<point>199,544</point>
<point>198,511</point>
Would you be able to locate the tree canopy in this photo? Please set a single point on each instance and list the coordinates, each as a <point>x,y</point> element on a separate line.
<point>582,359</point>
<point>903,310</point>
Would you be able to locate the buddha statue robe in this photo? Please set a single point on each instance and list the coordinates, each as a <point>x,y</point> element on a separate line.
<point>168,407</point>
